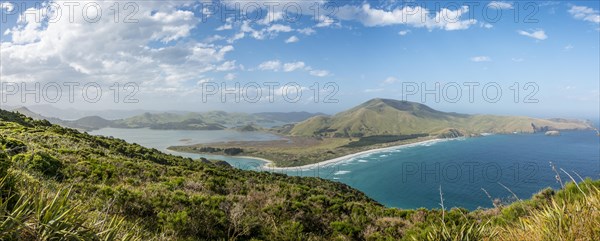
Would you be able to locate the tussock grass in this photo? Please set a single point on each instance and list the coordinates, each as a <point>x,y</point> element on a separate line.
<point>574,214</point>
<point>38,214</point>
<point>60,184</point>
<point>570,214</point>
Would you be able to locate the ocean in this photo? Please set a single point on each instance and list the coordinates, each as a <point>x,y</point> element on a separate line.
<point>468,172</point>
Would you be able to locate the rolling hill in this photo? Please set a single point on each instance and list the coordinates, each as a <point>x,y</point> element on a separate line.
<point>393,117</point>
<point>89,123</point>
<point>229,119</point>
<point>212,120</point>
<point>288,117</point>
<point>60,184</point>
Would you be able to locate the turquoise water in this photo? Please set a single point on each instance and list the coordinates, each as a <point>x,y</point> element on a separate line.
<point>411,177</point>
<point>161,139</point>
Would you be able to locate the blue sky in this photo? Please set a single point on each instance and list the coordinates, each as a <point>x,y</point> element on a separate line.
<point>367,49</point>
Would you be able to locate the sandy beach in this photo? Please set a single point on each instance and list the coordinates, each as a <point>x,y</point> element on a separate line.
<point>269,165</point>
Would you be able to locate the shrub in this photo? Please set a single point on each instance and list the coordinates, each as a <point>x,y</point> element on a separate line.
<point>233,151</point>
<point>345,228</point>
<point>40,162</point>
<point>13,146</point>
<point>46,164</point>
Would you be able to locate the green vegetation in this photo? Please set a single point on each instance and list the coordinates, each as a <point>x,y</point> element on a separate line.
<point>60,184</point>
<point>377,123</point>
<point>287,117</point>
<point>248,128</point>
<point>393,117</point>
<point>372,140</point>
<point>213,120</point>
<point>298,151</point>
<point>88,123</point>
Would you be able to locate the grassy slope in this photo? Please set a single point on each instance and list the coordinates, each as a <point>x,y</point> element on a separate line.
<point>216,117</point>
<point>121,191</point>
<point>385,116</point>
<point>179,198</point>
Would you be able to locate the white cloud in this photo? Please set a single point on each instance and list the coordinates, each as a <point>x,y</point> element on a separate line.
<point>568,47</point>
<point>292,39</point>
<point>517,60</point>
<point>78,51</point>
<point>271,16</point>
<point>274,65</point>
<point>289,67</point>
<point>226,26</point>
<point>481,59</point>
<point>306,31</point>
<point>500,5</point>
<point>486,25</point>
<point>274,8</point>
<point>536,34</point>
<point>319,73</point>
<point>279,28</point>
<point>230,76</point>
<point>226,66</point>
<point>389,80</point>
<point>246,30</point>
<point>418,16</point>
<point>404,32</point>
<point>203,80</point>
<point>373,90</point>
<point>8,6</point>
<point>585,13</point>
<point>180,23</point>
<point>325,21</point>
<point>213,38</point>
<point>236,37</point>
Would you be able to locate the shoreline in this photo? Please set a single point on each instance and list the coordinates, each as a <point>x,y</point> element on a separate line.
<point>268,165</point>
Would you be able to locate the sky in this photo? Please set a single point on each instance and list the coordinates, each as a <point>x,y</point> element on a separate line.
<point>512,58</point>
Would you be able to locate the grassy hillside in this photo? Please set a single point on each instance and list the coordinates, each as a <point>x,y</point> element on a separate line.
<point>393,117</point>
<point>88,123</point>
<point>229,119</point>
<point>288,117</point>
<point>212,120</point>
<point>60,184</point>
<point>167,197</point>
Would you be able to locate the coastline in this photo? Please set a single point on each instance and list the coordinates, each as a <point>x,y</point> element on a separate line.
<point>269,165</point>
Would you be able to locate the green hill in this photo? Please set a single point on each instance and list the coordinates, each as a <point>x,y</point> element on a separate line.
<point>147,119</point>
<point>27,112</point>
<point>393,117</point>
<point>287,117</point>
<point>61,184</point>
<point>164,197</point>
<point>212,120</point>
<point>85,123</point>
<point>89,123</point>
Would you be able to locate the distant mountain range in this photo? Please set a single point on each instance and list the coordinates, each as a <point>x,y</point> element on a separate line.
<point>394,117</point>
<point>374,117</point>
<point>51,111</point>
<point>213,120</point>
